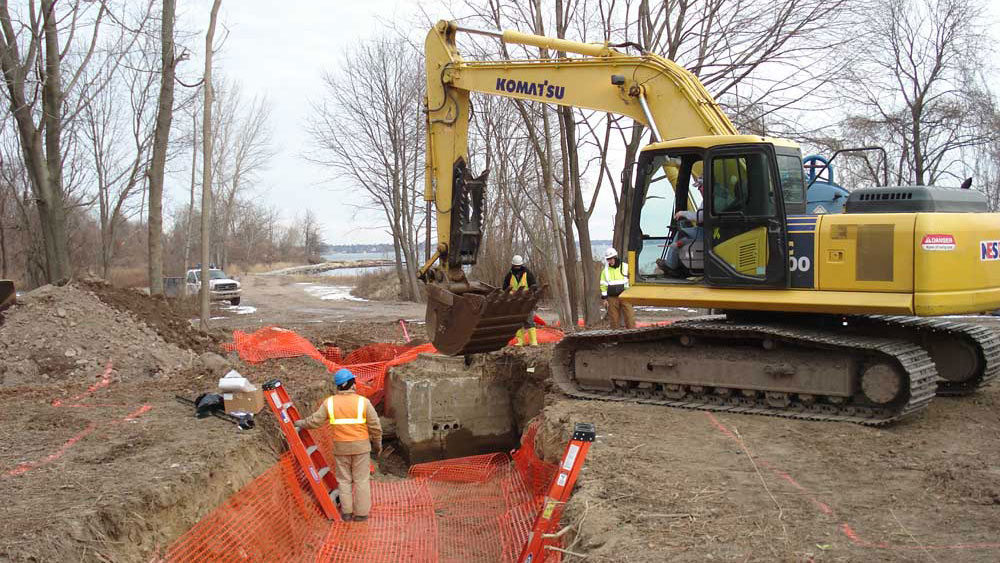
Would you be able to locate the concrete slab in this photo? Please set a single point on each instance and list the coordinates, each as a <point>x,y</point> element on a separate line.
<point>444,408</point>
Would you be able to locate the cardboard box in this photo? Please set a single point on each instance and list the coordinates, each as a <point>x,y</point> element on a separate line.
<point>244,401</point>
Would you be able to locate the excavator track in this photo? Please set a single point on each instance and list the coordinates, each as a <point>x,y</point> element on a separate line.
<point>967,356</point>
<point>907,367</point>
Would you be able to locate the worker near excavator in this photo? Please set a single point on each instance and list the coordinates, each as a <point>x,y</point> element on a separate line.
<point>356,432</point>
<point>614,281</point>
<point>520,278</point>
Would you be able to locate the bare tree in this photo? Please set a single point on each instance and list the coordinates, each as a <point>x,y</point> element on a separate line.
<point>312,235</point>
<point>916,87</point>
<point>242,149</point>
<point>161,138</point>
<point>370,132</point>
<point>206,182</point>
<point>119,128</point>
<point>45,95</point>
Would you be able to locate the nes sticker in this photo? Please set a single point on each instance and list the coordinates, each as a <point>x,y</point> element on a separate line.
<point>989,250</point>
<point>938,242</point>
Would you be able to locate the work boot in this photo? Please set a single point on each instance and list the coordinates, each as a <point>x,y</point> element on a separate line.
<point>360,518</point>
<point>519,337</point>
<point>533,336</point>
<point>346,517</point>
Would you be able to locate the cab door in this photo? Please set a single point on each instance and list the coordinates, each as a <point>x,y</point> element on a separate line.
<point>745,236</point>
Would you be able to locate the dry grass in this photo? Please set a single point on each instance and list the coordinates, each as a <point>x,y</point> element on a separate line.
<point>377,286</point>
<point>129,276</point>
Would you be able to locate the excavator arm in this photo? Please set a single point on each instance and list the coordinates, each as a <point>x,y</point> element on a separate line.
<point>466,316</point>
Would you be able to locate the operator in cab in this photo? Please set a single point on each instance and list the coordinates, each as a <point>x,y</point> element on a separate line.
<point>356,432</point>
<point>520,277</point>
<point>686,237</point>
<point>614,281</point>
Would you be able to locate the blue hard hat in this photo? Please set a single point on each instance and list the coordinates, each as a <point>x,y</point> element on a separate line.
<point>342,376</point>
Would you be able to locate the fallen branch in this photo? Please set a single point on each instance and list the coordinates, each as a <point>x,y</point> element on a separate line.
<point>921,546</point>
<point>566,551</point>
<point>743,446</point>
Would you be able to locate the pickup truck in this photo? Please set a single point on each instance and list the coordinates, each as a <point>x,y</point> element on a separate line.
<point>221,286</point>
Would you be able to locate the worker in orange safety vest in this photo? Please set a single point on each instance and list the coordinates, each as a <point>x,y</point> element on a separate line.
<point>356,432</point>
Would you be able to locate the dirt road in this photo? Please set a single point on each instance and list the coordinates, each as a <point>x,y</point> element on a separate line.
<point>285,301</point>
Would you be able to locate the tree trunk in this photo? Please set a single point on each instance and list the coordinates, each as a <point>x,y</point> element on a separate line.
<point>581,218</point>
<point>161,137</point>
<point>3,237</point>
<point>194,166</point>
<point>621,235</point>
<point>206,169</point>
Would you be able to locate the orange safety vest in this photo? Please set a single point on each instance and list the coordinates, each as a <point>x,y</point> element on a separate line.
<point>517,284</point>
<point>347,417</point>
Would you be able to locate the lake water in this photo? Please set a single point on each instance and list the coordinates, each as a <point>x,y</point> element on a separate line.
<point>341,256</point>
<point>354,272</point>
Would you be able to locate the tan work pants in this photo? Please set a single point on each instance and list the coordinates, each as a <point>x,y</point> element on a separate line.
<point>617,307</point>
<point>353,473</point>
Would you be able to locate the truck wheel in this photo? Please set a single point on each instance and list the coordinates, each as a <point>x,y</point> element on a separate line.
<point>235,301</point>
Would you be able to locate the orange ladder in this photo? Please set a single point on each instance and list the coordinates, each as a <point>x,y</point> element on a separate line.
<point>318,471</point>
<point>562,486</point>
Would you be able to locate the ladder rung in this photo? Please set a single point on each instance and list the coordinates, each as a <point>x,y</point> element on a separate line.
<point>324,471</point>
<point>310,450</point>
<point>286,405</point>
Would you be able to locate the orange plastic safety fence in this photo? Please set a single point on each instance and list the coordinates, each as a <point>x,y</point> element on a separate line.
<point>271,342</point>
<point>369,364</point>
<point>546,335</point>
<point>477,509</point>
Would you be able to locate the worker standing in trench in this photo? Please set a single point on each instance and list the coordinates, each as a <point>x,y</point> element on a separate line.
<point>356,432</point>
<point>520,277</point>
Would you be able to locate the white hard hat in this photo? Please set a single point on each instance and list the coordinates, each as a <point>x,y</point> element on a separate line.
<point>610,253</point>
<point>517,260</point>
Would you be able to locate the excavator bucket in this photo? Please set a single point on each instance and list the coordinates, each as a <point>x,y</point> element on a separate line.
<point>475,322</point>
<point>7,294</point>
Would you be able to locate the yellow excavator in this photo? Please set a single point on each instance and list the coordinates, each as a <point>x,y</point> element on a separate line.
<point>826,317</point>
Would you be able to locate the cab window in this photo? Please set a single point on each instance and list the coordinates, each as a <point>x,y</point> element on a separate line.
<point>793,181</point>
<point>742,185</point>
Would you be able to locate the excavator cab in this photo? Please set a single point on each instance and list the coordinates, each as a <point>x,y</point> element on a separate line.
<point>739,238</point>
<point>7,294</point>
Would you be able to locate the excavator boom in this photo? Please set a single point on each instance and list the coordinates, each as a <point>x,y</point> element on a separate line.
<point>466,316</point>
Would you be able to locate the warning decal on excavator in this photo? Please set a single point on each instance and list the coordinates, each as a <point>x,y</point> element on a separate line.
<point>938,242</point>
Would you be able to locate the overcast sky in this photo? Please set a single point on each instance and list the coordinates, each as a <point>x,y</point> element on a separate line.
<point>280,50</point>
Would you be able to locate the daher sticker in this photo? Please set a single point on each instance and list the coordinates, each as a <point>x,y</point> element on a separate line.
<point>938,242</point>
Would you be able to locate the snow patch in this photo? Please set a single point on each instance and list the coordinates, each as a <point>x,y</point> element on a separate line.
<point>332,293</point>
<point>240,309</point>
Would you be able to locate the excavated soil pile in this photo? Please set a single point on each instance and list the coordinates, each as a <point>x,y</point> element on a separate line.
<point>169,317</point>
<point>64,334</point>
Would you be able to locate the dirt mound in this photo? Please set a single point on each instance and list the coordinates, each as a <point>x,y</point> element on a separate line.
<point>351,337</point>
<point>169,317</point>
<point>57,334</point>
